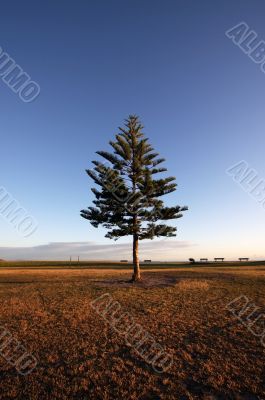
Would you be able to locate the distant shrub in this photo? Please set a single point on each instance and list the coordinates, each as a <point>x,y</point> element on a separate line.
<point>191,260</point>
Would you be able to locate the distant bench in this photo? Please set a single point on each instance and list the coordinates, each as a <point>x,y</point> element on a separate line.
<point>124,261</point>
<point>219,259</point>
<point>243,259</point>
<point>148,261</point>
<point>203,259</point>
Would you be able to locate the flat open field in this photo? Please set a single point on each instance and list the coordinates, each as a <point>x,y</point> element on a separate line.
<point>81,356</point>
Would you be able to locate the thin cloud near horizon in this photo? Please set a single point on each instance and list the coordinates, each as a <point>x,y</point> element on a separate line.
<point>157,250</point>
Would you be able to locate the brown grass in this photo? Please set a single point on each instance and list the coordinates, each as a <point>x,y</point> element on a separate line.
<point>193,284</point>
<point>81,357</point>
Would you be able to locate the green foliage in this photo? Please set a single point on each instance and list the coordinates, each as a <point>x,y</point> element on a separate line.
<point>129,199</point>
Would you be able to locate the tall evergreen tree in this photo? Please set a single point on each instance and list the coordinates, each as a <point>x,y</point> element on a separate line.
<point>128,201</point>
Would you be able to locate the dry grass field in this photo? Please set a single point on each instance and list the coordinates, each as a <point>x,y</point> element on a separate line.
<point>80,356</point>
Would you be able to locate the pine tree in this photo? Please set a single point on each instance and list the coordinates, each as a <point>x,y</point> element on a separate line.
<point>129,200</point>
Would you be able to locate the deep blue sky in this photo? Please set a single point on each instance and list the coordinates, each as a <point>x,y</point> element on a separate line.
<point>200,98</point>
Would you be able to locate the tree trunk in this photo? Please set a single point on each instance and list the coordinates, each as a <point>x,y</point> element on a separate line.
<point>136,267</point>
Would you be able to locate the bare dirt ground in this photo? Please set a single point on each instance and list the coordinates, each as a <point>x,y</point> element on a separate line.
<point>81,357</point>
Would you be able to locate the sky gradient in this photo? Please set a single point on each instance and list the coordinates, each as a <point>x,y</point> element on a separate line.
<point>200,98</point>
